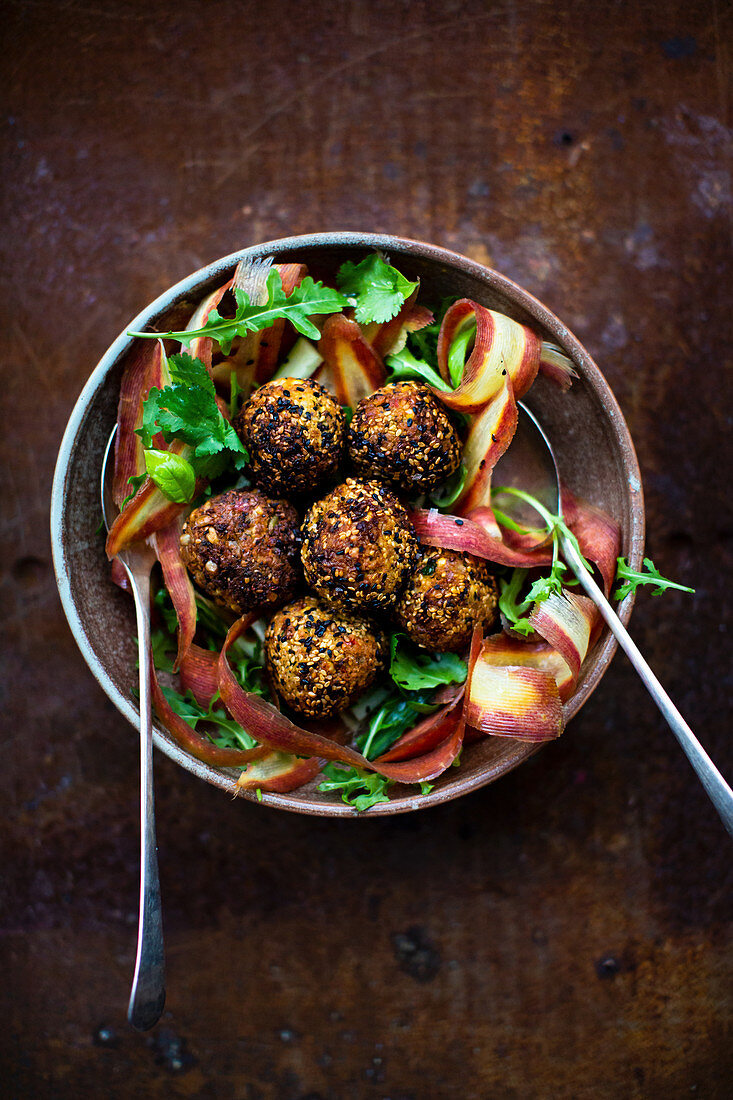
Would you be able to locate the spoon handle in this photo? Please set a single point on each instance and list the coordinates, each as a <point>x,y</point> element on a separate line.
<point>718,790</point>
<point>147,997</point>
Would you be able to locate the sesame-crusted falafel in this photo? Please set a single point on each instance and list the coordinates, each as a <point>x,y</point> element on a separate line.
<point>243,550</point>
<point>447,595</point>
<point>294,432</point>
<point>359,547</point>
<point>321,661</point>
<point>402,435</point>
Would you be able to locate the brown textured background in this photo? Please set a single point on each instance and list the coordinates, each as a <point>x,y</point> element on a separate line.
<point>564,934</point>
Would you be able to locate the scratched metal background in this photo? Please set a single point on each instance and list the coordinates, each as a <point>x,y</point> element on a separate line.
<point>565,934</point>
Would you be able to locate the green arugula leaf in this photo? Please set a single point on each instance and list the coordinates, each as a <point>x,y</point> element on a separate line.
<point>543,587</point>
<point>404,365</point>
<point>351,781</point>
<point>307,299</point>
<point>397,714</point>
<point>458,350</point>
<point>377,289</point>
<point>514,609</point>
<point>445,497</point>
<point>135,481</point>
<point>231,735</point>
<point>416,669</point>
<point>426,788</point>
<point>424,342</point>
<point>173,475</point>
<point>648,575</point>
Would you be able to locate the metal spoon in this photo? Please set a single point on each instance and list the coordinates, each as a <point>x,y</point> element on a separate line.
<point>530,464</point>
<point>147,997</point>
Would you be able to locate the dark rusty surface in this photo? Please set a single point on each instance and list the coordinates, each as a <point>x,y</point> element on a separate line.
<point>563,934</point>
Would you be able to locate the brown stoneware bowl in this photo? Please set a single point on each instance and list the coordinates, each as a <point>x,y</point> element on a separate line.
<point>594,450</point>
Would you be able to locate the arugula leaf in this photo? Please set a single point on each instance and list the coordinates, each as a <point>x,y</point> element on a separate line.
<point>424,342</point>
<point>415,669</point>
<point>135,481</point>
<point>403,364</point>
<point>232,736</point>
<point>648,575</point>
<point>164,649</point>
<point>398,714</point>
<point>307,299</point>
<point>448,494</point>
<point>377,289</point>
<point>350,781</point>
<point>426,788</point>
<point>187,409</point>
<point>515,610</point>
<point>457,352</point>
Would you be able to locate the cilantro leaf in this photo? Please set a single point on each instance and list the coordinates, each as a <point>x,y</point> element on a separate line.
<point>648,575</point>
<point>305,300</point>
<point>351,781</point>
<point>377,289</point>
<point>187,409</point>
<point>416,669</point>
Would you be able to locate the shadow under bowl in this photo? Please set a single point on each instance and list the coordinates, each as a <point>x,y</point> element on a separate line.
<point>594,450</point>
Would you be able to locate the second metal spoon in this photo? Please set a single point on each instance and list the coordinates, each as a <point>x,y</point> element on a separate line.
<point>530,464</point>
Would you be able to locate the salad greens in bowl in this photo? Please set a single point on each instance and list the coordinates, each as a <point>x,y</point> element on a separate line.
<point>346,617</point>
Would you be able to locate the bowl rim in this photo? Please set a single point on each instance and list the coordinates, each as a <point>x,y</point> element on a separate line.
<point>341,239</point>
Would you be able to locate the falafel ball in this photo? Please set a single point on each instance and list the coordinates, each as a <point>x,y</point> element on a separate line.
<point>402,435</point>
<point>321,661</point>
<point>447,595</point>
<point>242,549</point>
<point>294,432</point>
<point>359,547</point>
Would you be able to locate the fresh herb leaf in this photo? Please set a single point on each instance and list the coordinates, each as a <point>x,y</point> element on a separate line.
<point>187,409</point>
<point>164,606</point>
<point>545,586</point>
<point>514,609</point>
<point>172,473</point>
<point>230,735</point>
<point>426,788</point>
<point>164,649</point>
<point>397,714</point>
<point>135,481</point>
<point>305,300</point>
<point>416,669</point>
<point>648,575</point>
<point>458,350</point>
<point>377,289</point>
<point>348,414</point>
<point>351,781</point>
<point>446,496</point>
<point>424,342</point>
<point>404,365</point>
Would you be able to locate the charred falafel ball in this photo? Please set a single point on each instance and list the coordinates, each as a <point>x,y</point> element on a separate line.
<point>320,660</point>
<point>359,547</point>
<point>447,595</point>
<point>402,435</point>
<point>294,432</point>
<point>242,549</point>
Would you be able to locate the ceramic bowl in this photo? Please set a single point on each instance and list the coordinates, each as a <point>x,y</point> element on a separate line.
<point>594,449</point>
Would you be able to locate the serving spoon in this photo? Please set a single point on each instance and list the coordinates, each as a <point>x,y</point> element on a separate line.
<point>147,996</point>
<point>530,464</point>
